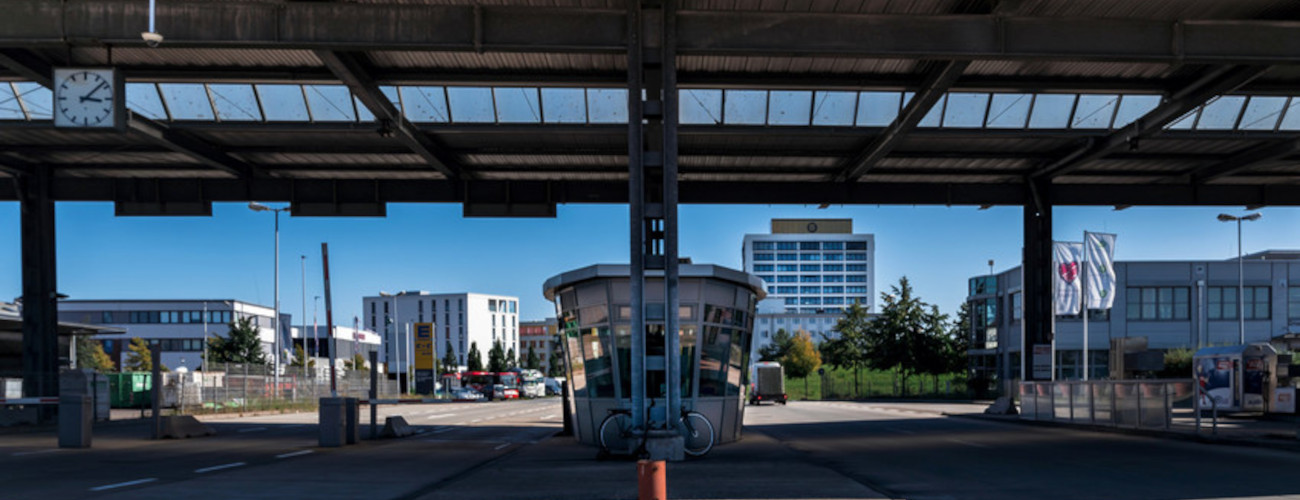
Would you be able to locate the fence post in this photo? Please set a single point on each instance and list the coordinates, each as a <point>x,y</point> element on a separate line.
<point>244,404</point>
<point>1139,420</point>
<point>1070,389</point>
<point>1168,408</point>
<point>374,393</point>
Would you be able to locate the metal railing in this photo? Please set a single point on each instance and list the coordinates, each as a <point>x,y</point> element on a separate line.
<point>1136,404</point>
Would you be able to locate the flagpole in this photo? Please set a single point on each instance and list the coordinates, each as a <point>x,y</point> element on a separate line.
<point>1083,277</point>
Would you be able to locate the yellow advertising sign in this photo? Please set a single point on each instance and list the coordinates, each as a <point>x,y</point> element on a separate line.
<point>423,346</point>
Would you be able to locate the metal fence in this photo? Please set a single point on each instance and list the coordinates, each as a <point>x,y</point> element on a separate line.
<point>1136,404</point>
<point>243,387</point>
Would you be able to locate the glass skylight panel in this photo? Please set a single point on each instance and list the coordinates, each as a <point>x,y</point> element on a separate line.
<point>234,102</point>
<point>282,103</point>
<point>471,104</point>
<point>330,103</point>
<point>1184,122</point>
<point>187,101</point>
<point>789,107</point>
<point>834,108</point>
<point>1262,112</point>
<point>745,107</point>
<point>36,99</point>
<point>143,98</point>
<point>1008,111</point>
<point>564,105</point>
<point>392,94</point>
<point>1051,110</point>
<point>1290,118</point>
<point>363,113</point>
<point>610,105</point>
<point>424,104</point>
<point>700,107</point>
<point>517,104</point>
<point>1134,106</point>
<point>878,109</point>
<point>965,110</point>
<point>10,108</point>
<point>935,114</point>
<point>1094,111</point>
<point>1221,113</point>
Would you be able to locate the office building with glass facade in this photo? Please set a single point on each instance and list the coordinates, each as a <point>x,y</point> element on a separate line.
<point>1173,304</point>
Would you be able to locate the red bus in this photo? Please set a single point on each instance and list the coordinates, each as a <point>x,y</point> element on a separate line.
<point>485,382</point>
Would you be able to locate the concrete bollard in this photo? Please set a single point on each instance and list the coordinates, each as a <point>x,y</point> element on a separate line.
<point>352,420</point>
<point>331,422</point>
<point>76,414</point>
<point>651,480</point>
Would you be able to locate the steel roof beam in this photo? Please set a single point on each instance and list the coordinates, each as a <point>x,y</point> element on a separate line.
<point>351,69</point>
<point>694,192</point>
<point>1220,81</point>
<point>1245,160</point>
<point>935,86</point>
<point>23,62</point>
<point>349,26</point>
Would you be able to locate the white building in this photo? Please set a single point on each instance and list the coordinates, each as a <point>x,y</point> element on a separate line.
<point>813,266</point>
<point>349,341</point>
<point>459,319</point>
<point>178,325</point>
<point>813,269</point>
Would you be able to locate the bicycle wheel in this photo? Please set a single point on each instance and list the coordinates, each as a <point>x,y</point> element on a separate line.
<point>698,433</point>
<point>614,435</point>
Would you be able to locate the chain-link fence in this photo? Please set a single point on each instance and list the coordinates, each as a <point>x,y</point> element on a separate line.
<point>230,387</point>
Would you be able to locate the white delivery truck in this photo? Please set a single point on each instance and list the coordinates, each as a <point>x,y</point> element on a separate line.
<point>767,383</point>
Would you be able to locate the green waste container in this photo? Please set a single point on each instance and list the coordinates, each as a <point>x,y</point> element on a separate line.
<point>130,389</point>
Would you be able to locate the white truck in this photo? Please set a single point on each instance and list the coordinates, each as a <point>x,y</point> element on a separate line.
<point>530,384</point>
<point>767,383</point>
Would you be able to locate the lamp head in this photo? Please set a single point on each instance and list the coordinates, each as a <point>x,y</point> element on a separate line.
<point>1254,216</point>
<point>1226,218</point>
<point>257,207</point>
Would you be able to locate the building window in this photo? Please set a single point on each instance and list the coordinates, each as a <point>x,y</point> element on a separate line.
<point>420,306</point>
<point>832,289</point>
<point>856,278</point>
<point>1016,299</point>
<point>983,285</point>
<point>855,289</point>
<point>763,245</point>
<point>832,245</point>
<point>1157,303</point>
<point>787,245</point>
<point>762,268</point>
<point>830,301</point>
<point>833,256</point>
<point>810,256</point>
<point>785,256</point>
<point>855,256</point>
<point>810,301</point>
<point>810,279</point>
<point>1223,302</point>
<point>810,267</point>
<point>787,278</point>
<point>855,267</point>
<point>833,278</point>
<point>1293,302</point>
<point>833,267</point>
<point>787,289</point>
<point>812,289</point>
<point>791,301</point>
<point>767,278</point>
<point>810,245</point>
<point>762,256</point>
<point>787,268</point>
<point>855,245</point>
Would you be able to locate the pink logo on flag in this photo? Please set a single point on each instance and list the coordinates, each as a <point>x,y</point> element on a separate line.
<point>1069,271</point>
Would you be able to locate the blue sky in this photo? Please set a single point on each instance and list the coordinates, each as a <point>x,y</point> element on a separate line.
<point>432,247</point>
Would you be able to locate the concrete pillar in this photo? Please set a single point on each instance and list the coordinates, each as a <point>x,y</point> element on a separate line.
<point>76,414</point>
<point>1039,315</point>
<point>40,301</point>
<point>332,422</point>
<point>352,420</point>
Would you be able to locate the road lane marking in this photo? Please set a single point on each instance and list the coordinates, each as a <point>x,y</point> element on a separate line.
<point>475,421</point>
<point>219,467</point>
<point>37,452</point>
<point>502,446</point>
<point>440,415</point>
<point>548,417</point>
<point>968,443</point>
<point>123,485</point>
<point>440,431</point>
<point>294,454</point>
<point>255,429</point>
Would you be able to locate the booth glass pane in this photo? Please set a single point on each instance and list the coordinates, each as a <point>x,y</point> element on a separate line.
<point>713,359</point>
<point>577,368</point>
<point>689,339</point>
<point>623,348</point>
<point>735,366</point>
<point>599,360</point>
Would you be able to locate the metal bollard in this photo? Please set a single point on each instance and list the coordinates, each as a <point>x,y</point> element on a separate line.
<point>652,480</point>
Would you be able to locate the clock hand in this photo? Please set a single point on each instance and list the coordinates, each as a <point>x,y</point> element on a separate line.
<point>95,99</point>
<point>92,91</point>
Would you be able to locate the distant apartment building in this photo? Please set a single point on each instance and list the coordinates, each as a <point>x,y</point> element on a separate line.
<point>459,319</point>
<point>1173,304</point>
<point>179,326</point>
<point>540,336</point>
<point>813,269</point>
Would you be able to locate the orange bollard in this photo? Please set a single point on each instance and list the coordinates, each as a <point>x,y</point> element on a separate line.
<point>651,480</point>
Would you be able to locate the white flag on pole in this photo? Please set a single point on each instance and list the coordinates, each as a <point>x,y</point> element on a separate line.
<point>1100,248</point>
<point>1068,295</point>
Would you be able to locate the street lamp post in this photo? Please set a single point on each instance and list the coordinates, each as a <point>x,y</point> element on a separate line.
<point>303,331</point>
<point>1241,276</point>
<point>395,328</point>
<point>275,321</point>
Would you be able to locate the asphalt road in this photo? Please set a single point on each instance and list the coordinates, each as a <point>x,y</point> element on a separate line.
<point>918,455</point>
<point>501,450</point>
<point>273,456</point>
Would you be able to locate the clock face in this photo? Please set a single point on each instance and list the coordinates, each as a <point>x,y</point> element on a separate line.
<point>85,98</point>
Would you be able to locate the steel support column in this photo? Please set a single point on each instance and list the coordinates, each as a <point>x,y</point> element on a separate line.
<point>40,301</point>
<point>1039,317</point>
<point>652,196</point>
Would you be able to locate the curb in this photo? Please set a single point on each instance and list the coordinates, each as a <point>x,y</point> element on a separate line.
<point>1284,445</point>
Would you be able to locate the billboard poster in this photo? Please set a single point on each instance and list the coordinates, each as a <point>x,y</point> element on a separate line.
<point>1252,384</point>
<point>422,345</point>
<point>1215,377</point>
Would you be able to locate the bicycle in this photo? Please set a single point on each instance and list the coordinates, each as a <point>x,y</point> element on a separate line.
<point>697,432</point>
<point>617,432</point>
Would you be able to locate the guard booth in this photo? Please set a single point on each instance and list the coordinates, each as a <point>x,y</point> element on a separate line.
<point>716,315</point>
<point>1238,378</point>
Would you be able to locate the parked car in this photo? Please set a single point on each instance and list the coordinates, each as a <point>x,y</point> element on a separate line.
<point>500,391</point>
